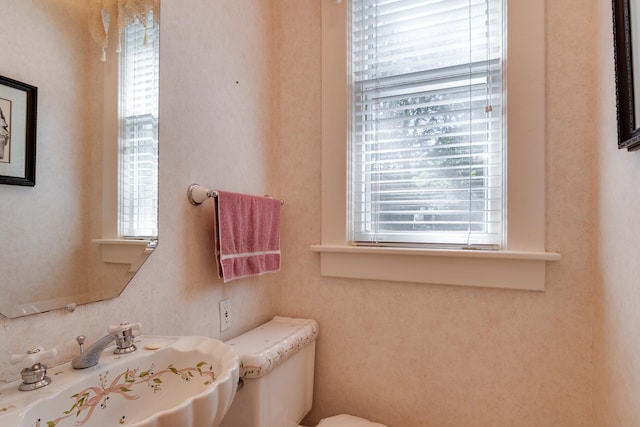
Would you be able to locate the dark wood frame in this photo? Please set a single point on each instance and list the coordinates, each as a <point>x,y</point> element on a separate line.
<point>628,129</point>
<point>31,92</point>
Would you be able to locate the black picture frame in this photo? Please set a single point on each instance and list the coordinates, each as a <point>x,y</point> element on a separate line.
<point>628,128</point>
<point>18,117</point>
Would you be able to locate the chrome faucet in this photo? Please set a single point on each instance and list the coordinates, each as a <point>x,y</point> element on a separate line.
<point>122,334</point>
<point>91,356</point>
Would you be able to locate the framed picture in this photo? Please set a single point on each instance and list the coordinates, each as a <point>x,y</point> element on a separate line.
<point>18,107</point>
<point>626,14</point>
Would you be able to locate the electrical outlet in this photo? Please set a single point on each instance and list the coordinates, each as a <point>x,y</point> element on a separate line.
<point>225,314</point>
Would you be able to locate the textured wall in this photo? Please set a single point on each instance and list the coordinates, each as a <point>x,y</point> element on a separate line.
<point>421,355</point>
<point>215,130</point>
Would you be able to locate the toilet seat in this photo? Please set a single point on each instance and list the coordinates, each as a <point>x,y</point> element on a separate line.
<point>345,420</point>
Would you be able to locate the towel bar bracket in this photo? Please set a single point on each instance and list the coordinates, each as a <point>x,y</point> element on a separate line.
<point>198,194</point>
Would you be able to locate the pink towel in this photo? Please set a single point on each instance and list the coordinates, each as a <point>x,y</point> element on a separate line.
<point>248,235</point>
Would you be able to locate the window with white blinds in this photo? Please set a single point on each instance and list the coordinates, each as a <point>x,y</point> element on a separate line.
<point>426,149</point>
<point>138,158</point>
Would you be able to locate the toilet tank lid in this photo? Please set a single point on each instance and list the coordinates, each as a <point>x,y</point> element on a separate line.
<point>269,345</point>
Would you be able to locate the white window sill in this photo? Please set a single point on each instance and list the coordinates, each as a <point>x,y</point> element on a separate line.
<point>122,251</point>
<point>523,270</point>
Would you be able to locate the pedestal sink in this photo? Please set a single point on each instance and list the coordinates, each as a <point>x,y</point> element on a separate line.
<point>167,382</point>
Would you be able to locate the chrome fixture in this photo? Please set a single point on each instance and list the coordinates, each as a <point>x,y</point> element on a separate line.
<point>35,376</point>
<point>123,336</point>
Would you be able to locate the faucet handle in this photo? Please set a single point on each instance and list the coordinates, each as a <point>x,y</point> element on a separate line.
<point>35,375</point>
<point>81,339</point>
<point>124,337</point>
<point>116,329</point>
<point>33,356</point>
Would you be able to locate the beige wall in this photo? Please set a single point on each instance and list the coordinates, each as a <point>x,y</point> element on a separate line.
<point>241,111</point>
<point>617,292</point>
<point>424,355</point>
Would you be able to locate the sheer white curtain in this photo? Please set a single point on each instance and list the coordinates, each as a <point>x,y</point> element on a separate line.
<point>104,14</point>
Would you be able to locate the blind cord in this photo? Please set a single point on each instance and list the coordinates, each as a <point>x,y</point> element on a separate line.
<point>470,159</point>
<point>489,108</point>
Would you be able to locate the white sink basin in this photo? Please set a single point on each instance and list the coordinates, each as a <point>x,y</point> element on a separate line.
<point>167,382</point>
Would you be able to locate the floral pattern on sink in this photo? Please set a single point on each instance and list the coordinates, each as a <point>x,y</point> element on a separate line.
<point>126,385</point>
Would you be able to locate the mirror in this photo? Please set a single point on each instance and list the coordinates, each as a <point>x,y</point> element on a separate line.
<point>59,240</point>
<point>626,27</point>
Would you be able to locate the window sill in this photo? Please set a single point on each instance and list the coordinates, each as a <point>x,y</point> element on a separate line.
<point>522,270</point>
<point>122,251</point>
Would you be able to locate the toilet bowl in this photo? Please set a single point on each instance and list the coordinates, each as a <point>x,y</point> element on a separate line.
<point>277,361</point>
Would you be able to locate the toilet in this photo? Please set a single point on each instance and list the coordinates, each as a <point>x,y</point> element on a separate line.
<point>276,377</point>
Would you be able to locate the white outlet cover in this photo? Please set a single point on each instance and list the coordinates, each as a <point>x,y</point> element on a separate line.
<point>225,314</point>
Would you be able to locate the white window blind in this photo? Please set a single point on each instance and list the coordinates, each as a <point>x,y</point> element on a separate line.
<point>426,148</point>
<point>138,162</point>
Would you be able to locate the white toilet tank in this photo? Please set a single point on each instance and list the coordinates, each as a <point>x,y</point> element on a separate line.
<point>276,366</point>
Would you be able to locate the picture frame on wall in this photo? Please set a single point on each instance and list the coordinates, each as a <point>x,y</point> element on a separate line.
<point>626,39</point>
<point>18,115</point>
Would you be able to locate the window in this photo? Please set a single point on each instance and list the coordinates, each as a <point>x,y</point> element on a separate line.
<point>138,149</point>
<point>520,261</point>
<point>426,146</point>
